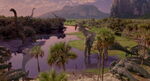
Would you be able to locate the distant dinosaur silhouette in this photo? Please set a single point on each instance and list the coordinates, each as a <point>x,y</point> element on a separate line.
<point>18,28</point>
<point>32,12</point>
<point>21,30</point>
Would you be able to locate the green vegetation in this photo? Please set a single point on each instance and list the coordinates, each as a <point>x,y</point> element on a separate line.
<point>127,32</point>
<point>78,34</point>
<point>60,54</point>
<point>29,25</point>
<point>37,52</point>
<point>95,71</point>
<point>52,76</point>
<point>104,39</point>
<point>124,41</point>
<point>70,22</point>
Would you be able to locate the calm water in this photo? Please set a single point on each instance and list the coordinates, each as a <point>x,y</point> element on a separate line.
<point>30,64</point>
<point>26,62</point>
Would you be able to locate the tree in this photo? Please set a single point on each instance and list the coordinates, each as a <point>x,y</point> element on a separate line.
<point>52,76</point>
<point>37,52</point>
<point>60,54</point>
<point>104,39</point>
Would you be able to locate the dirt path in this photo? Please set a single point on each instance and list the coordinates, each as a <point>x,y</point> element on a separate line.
<point>71,29</point>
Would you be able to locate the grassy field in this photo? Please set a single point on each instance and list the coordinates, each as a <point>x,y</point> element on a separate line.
<point>96,71</point>
<point>79,44</point>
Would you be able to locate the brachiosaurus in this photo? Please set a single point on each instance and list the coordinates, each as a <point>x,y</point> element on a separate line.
<point>29,18</point>
<point>89,38</point>
<point>18,28</point>
<point>32,12</point>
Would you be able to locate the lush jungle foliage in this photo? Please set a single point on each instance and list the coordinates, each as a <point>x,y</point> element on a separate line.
<point>119,26</point>
<point>29,26</point>
<point>60,54</point>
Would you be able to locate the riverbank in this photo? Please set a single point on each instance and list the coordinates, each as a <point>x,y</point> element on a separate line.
<point>88,77</point>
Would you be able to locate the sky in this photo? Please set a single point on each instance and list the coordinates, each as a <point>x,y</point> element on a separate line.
<point>24,7</point>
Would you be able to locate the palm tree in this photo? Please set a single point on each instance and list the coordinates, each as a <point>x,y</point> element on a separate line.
<point>37,52</point>
<point>60,54</point>
<point>104,39</point>
<point>52,76</point>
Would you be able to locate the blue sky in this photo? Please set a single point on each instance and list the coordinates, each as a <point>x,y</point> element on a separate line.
<point>24,7</point>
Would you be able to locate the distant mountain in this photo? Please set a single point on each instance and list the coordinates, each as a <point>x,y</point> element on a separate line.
<point>130,8</point>
<point>77,12</point>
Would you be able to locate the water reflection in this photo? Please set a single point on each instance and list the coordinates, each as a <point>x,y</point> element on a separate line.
<point>26,62</point>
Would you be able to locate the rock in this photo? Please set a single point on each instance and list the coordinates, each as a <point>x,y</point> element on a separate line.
<point>130,8</point>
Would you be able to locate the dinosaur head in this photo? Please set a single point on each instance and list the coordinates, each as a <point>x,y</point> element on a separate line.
<point>12,10</point>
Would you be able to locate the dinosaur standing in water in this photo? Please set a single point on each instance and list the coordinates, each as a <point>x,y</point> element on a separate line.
<point>89,38</point>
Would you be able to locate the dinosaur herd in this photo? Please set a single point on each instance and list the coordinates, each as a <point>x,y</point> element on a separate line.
<point>20,29</point>
<point>6,73</point>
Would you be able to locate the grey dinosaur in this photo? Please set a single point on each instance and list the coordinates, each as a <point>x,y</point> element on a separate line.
<point>124,67</point>
<point>89,38</point>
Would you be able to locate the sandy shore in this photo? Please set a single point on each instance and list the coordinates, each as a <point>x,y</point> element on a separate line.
<point>89,77</point>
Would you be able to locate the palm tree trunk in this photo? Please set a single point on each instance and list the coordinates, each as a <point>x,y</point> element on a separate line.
<point>38,65</point>
<point>103,61</point>
<point>64,68</point>
<point>85,52</point>
<point>99,65</point>
<point>99,69</point>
